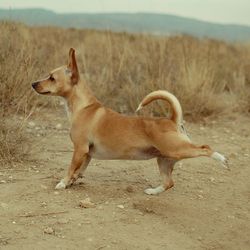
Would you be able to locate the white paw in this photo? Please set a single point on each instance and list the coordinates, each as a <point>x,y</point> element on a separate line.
<point>61,185</point>
<point>153,191</point>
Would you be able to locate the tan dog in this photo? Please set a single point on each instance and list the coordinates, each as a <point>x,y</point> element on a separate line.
<point>101,133</point>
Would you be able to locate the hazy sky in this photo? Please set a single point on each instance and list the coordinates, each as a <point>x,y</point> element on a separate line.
<point>223,11</point>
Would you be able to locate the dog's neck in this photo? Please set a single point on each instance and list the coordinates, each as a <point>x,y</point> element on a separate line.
<point>79,97</point>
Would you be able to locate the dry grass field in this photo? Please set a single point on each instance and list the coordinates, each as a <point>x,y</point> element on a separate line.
<point>207,209</point>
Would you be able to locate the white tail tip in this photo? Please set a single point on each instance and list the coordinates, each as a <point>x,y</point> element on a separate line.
<point>139,108</point>
<point>221,158</point>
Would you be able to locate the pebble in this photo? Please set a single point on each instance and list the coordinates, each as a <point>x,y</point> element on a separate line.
<point>43,204</point>
<point>233,155</point>
<point>63,221</point>
<point>200,196</point>
<point>49,230</point>
<point>43,186</point>
<point>31,124</point>
<point>212,179</point>
<point>120,206</point>
<point>129,189</point>
<point>86,203</point>
<point>4,205</point>
<point>58,126</point>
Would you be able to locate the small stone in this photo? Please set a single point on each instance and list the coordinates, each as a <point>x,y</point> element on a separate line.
<point>233,155</point>
<point>43,204</point>
<point>212,179</point>
<point>58,126</point>
<point>86,203</point>
<point>120,206</point>
<point>49,230</point>
<point>200,196</point>
<point>4,205</point>
<point>31,124</point>
<point>129,189</point>
<point>63,221</point>
<point>56,192</point>
<point>2,181</point>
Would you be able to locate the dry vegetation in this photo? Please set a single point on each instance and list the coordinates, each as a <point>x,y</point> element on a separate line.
<point>209,77</point>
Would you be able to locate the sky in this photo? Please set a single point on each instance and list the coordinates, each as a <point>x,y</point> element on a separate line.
<point>220,11</point>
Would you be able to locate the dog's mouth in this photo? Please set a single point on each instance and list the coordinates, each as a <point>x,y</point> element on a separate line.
<point>45,93</point>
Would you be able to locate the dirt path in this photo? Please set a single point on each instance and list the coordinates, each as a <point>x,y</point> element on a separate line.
<point>207,209</point>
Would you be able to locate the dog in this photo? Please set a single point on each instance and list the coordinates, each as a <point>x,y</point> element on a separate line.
<point>101,133</point>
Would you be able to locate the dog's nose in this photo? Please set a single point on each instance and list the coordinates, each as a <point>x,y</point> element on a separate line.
<point>34,84</point>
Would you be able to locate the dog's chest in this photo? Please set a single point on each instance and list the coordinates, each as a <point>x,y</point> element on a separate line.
<point>66,107</point>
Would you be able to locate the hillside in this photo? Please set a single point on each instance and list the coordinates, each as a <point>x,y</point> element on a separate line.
<point>161,24</point>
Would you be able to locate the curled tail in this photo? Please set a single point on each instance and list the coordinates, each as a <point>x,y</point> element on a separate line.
<point>166,96</point>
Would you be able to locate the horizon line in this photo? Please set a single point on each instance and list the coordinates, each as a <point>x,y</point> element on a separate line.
<point>126,12</point>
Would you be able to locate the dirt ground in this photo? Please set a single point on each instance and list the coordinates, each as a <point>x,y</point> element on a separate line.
<point>208,208</point>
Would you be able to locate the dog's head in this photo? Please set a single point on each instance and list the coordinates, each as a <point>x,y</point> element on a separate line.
<point>60,81</point>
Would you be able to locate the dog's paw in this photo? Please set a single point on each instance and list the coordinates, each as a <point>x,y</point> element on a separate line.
<point>153,191</point>
<point>61,185</point>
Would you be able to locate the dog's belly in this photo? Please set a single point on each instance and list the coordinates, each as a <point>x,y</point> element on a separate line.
<point>101,153</point>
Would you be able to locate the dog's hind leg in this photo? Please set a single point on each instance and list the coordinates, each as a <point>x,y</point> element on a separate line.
<point>174,146</point>
<point>166,167</point>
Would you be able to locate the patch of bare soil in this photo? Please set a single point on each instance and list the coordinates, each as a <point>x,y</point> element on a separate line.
<point>207,209</point>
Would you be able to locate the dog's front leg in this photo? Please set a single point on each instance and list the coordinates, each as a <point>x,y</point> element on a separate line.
<point>80,158</point>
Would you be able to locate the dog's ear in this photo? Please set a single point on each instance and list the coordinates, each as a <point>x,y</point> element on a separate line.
<point>72,66</point>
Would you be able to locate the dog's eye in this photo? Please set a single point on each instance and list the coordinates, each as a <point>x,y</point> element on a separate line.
<point>52,78</point>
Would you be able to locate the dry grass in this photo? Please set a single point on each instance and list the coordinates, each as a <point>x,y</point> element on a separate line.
<point>209,77</point>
